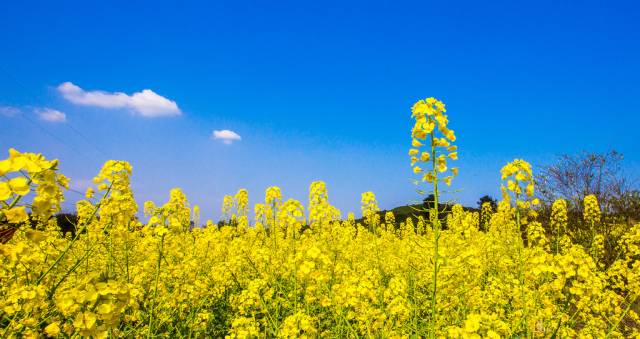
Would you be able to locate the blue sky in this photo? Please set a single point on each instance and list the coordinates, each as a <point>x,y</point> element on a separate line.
<point>315,90</point>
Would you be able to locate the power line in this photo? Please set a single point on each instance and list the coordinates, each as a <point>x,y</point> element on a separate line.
<point>75,191</point>
<point>54,136</point>
<point>87,140</point>
<point>51,134</point>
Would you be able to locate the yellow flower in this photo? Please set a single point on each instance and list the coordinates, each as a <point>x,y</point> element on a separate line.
<point>161,230</point>
<point>307,267</point>
<point>5,166</point>
<point>105,308</point>
<point>65,304</point>
<point>442,121</point>
<point>419,108</point>
<point>5,191</point>
<point>442,163</point>
<point>419,133</point>
<point>89,193</point>
<point>529,190</point>
<point>591,211</point>
<point>16,215</point>
<point>19,185</point>
<point>52,329</point>
<point>428,177</point>
<point>34,235</point>
<point>472,324</point>
<point>428,115</point>
<point>450,135</point>
<point>428,126</point>
<point>492,335</point>
<point>86,321</point>
<point>442,142</point>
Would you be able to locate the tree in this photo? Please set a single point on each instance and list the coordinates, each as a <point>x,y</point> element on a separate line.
<point>626,206</point>
<point>67,223</point>
<point>428,202</point>
<point>573,177</point>
<point>487,198</point>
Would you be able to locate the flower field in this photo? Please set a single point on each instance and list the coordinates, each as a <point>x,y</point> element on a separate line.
<point>283,269</point>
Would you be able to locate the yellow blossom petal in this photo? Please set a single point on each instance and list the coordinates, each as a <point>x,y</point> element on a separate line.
<point>19,185</point>
<point>16,215</point>
<point>5,191</point>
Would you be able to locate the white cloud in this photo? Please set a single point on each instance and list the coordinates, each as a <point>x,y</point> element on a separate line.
<point>145,103</point>
<point>9,111</point>
<point>227,136</point>
<point>50,115</point>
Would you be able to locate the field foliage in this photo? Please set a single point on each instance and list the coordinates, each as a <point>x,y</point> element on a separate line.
<point>282,269</point>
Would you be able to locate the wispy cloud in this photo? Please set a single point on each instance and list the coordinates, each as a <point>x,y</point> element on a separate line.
<point>50,115</point>
<point>226,136</point>
<point>9,111</point>
<point>145,103</point>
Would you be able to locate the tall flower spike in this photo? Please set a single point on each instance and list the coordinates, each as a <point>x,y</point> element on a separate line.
<point>520,183</point>
<point>431,130</point>
<point>227,206</point>
<point>370,209</point>
<point>591,212</point>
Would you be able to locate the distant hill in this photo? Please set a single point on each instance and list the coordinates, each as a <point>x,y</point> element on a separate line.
<point>402,213</point>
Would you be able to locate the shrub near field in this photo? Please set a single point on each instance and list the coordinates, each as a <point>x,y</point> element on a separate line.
<point>305,272</point>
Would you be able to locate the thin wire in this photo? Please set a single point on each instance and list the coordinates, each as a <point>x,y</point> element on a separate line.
<point>51,134</point>
<point>87,140</point>
<point>75,191</point>
<point>54,136</point>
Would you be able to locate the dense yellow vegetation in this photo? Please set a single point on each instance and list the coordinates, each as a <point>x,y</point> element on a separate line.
<point>305,272</point>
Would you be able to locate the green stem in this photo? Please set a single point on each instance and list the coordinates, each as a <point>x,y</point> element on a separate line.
<point>436,239</point>
<point>155,292</point>
<point>64,252</point>
<point>624,314</point>
<point>520,245</point>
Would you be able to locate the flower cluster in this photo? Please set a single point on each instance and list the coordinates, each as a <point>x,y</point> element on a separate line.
<point>370,209</point>
<point>22,173</point>
<point>430,117</point>
<point>591,210</point>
